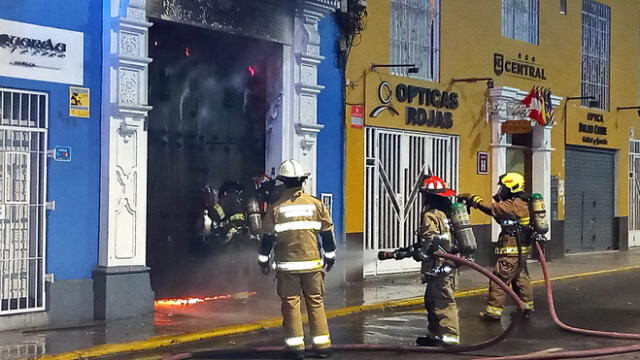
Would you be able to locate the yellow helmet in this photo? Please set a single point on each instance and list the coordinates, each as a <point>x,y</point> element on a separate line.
<point>512,181</point>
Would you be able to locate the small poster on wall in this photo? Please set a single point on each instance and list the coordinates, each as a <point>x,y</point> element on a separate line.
<point>78,102</point>
<point>327,200</point>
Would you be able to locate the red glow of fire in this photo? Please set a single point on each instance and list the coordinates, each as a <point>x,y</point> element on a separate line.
<point>196,300</point>
<point>187,52</point>
<point>252,71</point>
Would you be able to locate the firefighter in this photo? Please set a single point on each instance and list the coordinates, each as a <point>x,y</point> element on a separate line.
<point>511,210</point>
<point>435,233</point>
<point>290,228</point>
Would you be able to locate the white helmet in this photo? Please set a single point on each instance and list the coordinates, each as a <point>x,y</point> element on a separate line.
<point>291,169</point>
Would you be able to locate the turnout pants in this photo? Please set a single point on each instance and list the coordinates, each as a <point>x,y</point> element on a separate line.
<point>311,286</point>
<point>505,269</point>
<point>442,311</point>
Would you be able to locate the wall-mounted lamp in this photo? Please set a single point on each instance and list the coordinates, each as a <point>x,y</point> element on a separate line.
<point>593,103</point>
<point>628,108</point>
<point>412,68</point>
<point>475,79</point>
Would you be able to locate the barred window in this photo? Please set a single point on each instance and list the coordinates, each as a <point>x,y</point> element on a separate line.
<point>596,40</point>
<point>520,20</point>
<point>415,37</point>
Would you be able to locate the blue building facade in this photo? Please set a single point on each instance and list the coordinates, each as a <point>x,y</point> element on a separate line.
<point>49,51</point>
<point>331,137</point>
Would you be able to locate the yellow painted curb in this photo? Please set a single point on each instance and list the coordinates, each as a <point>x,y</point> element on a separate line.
<point>169,340</point>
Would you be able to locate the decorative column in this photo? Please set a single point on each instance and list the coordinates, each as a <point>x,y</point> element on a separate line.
<point>306,53</point>
<point>500,99</point>
<point>121,281</point>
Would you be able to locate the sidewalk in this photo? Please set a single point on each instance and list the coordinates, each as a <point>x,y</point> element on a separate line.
<point>179,324</point>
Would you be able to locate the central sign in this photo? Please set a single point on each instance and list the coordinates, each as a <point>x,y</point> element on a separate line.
<point>421,106</point>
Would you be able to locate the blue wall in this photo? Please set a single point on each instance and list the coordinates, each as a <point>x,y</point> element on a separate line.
<point>330,114</point>
<point>72,228</point>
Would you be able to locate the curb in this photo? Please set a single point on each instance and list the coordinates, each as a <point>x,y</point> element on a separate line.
<point>170,340</point>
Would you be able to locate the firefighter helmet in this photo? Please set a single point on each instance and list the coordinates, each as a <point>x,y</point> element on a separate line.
<point>291,169</point>
<point>436,186</point>
<point>512,181</point>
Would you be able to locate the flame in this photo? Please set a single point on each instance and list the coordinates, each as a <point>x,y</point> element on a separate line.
<point>252,71</point>
<point>187,301</point>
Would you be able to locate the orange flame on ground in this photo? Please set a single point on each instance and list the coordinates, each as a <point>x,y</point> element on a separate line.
<point>198,300</point>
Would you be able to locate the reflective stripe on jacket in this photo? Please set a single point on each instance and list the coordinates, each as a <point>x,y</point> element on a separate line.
<point>512,250</point>
<point>295,220</point>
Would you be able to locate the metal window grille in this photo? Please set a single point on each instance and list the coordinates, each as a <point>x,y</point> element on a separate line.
<point>520,20</point>
<point>634,185</point>
<point>23,136</point>
<point>415,37</point>
<point>596,40</point>
<point>26,349</point>
<point>395,163</point>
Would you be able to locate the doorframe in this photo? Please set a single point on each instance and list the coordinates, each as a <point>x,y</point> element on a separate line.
<point>502,100</point>
<point>634,185</point>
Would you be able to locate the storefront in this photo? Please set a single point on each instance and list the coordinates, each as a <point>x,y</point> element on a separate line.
<point>482,78</point>
<point>217,91</point>
<point>50,59</point>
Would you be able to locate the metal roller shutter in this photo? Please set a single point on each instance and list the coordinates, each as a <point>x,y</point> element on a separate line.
<point>589,199</point>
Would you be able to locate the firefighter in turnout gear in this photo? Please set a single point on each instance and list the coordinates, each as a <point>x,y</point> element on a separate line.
<point>435,233</point>
<point>290,227</point>
<point>511,210</point>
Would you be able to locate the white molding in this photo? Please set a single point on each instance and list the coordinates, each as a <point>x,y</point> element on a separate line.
<point>124,138</point>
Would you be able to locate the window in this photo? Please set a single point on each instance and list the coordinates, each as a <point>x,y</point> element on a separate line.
<point>596,40</point>
<point>563,7</point>
<point>520,20</point>
<point>415,37</point>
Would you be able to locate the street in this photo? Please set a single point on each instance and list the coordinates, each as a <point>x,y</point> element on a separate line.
<point>608,302</point>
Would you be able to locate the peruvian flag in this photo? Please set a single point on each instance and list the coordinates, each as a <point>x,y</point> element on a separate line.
<point>533,102</point>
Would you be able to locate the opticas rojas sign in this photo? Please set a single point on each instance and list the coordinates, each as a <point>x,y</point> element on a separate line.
<point>418,100</point>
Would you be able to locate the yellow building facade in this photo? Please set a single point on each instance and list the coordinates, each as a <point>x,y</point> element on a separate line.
<point>482,58</point>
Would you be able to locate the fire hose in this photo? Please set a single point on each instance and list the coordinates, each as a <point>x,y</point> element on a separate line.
<point>272,350</point>
<point>466,348</point>
<point>557,321</point>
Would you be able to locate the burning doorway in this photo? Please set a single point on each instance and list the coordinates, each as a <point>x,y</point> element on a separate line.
<point>207,127</point>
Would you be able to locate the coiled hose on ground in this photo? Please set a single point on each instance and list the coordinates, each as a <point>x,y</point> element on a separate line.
<point>265,352</point>
<point>557,321</point>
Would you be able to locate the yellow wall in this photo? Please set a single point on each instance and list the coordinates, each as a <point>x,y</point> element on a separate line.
<point>470,34</point>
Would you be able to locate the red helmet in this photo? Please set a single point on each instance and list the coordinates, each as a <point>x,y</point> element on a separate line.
<point>436,186</point>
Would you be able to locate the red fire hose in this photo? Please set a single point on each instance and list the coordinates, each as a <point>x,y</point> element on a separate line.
<point>467,348</point>
<point>556,320</point>
<point>401,348</point>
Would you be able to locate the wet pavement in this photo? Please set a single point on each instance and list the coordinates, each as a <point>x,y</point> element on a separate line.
<point>606,302</point>
<point>240,309</point>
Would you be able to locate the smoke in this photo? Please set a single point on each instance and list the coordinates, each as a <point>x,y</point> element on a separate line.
<point>207,126</point>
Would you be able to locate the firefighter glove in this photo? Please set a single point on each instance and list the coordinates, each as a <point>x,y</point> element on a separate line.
<point>400,254</point>
<point>328,263</point>
<point>263,262</point>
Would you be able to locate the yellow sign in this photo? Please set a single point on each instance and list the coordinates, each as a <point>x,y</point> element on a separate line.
<point>78,102</point>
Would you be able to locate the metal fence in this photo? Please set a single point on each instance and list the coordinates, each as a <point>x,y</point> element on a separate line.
<point>395,164</point>
<point>23,136</point>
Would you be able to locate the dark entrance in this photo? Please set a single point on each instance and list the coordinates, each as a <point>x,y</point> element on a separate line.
<point>589,199</point>
<point>207,126</point>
